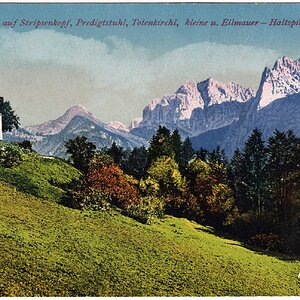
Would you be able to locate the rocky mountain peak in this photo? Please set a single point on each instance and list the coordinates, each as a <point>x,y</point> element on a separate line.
<point>215,92</point>
<point>188,88</point>
<point>286,63</point>
<point>135,123</point>
<point>76,109</point>
<point>55,126</point>
<point>169,108</point>
<point>282,80</point>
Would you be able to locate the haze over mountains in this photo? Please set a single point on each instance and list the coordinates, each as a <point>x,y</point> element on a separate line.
<point>216,114</point>
<point>49,138</point>
<point>211,113</point>
<point>276,105</point>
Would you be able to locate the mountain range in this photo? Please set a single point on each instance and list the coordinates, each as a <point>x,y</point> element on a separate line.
<point>276,105</point>
<point>49,138</point>
<point>216,114</point>
<point>211,113</point>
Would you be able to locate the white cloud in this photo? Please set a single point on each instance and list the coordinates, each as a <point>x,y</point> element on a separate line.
<point>44,72</point>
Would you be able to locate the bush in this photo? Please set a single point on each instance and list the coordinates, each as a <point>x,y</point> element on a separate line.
<point>165,172</point>
<point>26,145</point>
<point>10,155</point>
<point>147,210</point>
<point>81,197</point>
<point>148,187</point>
<point>212,192</point>
<point>268,241</point>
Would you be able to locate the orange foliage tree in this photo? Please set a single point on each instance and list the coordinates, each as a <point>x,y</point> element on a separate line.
<point>119,189</point>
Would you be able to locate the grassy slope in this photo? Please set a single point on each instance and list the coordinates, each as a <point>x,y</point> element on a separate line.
<point>50,250</point>
<point>40,176</point>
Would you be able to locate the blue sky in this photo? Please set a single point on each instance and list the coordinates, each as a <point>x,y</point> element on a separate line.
<point>115,72</point>
<point>281,38</point>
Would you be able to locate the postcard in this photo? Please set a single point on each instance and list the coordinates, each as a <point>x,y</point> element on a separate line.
<point>149,149</point>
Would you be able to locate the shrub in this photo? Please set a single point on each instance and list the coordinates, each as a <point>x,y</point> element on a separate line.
<point>147,210</point>
<point>269,241</point>
<point>220,205</point>
<point>26,145</point>
<point>99,160</point>
<point>213,194</point>
<point>10,155</point>
<point>149,186</point>
<point>190,206</point>
<point>80,196</point>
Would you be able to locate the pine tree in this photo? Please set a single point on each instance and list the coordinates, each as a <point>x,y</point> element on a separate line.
<point>217,156</point>
<point>9,119</point>
<point>219,163</point>
<point>283,165</point>
<point>81,152</point>
<point>202,154</point>
<point>254,160</point>
<point>160,144</point>
<point>116,152</point>
<point>187,152</point>
<point>136,165</point>
<point>177,146</point>
<point>237,175</point>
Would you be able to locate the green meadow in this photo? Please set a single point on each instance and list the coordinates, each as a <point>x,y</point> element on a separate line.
<point>50,250</point>
<point>40,176</point>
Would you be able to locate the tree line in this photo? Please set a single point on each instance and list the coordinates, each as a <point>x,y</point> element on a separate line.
<point>254,195</point>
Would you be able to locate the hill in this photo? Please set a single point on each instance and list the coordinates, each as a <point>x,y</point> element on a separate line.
<point>39,175</point>
<point>50,250</point>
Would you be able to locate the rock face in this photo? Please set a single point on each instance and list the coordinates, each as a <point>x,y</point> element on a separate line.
<point>195,108</point>
<point>135,123</point>
<point>173,108</point>
<point>275,106</point>
<point>214,92</point>
<point>282,80</point>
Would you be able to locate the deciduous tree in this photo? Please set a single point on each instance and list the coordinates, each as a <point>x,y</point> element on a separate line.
<point>118,188</point>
